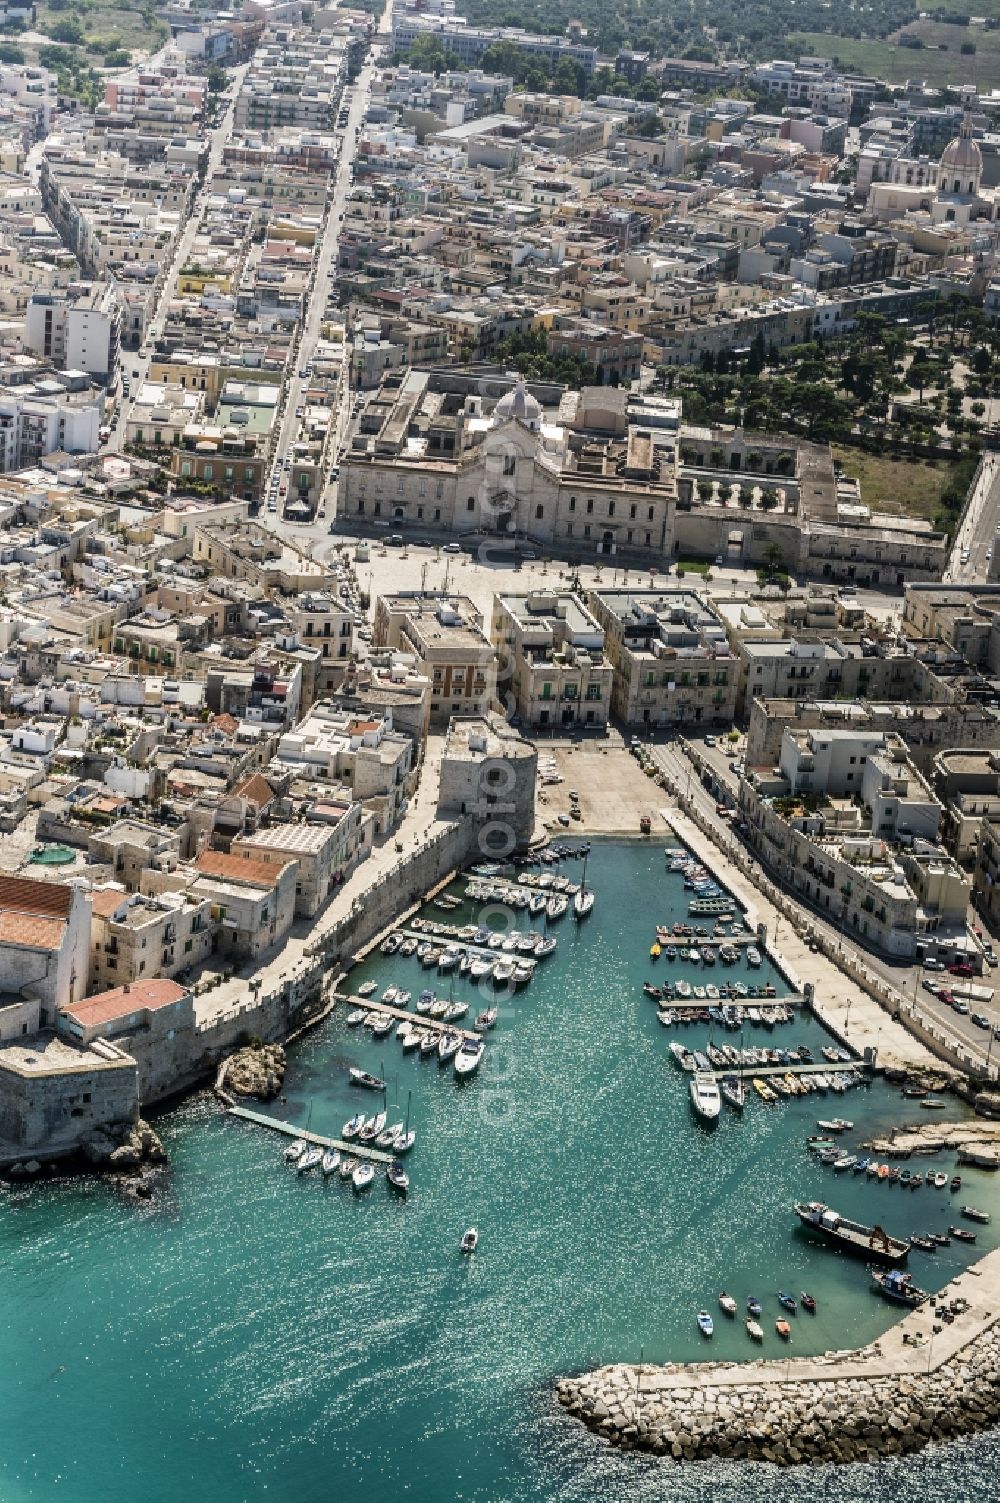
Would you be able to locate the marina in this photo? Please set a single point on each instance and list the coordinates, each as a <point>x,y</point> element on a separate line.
<point>361,1285</point>
<point>291,1130</point>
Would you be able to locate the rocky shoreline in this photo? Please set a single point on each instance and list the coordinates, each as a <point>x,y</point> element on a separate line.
<point>928,1379</point>
<point>257,1070</point>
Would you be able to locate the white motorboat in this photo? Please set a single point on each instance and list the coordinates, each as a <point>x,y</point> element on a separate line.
<point>429,1042</point>
<point>455,1011</point>
<point>295,1150</point>
<point>411,1038</point>
<point>479,969</point>
<point>309,1160</point>
<point>469,1058</point>
<point>522,974</point>
<point>363,1176</point>
<point>383,1025</point>
<point>705,1096</point>
<point>426,1001</point>
<point>397,1178</point>
<point>389,995</point>
<point>449,958</point>
<point>367,988</point>
<point>448,1046</point>
<point>503,972</point>
<point>470,1240</point>
<point>366,1079</point>
<point>357,1017</point>
<point>683,1056</point>
<point>331,1161</point>
<point>753,955</point>
<point>438,1009</point>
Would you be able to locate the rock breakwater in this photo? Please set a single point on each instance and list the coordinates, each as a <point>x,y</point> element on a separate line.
<point>258,1070</point>
<point>925,1381</point>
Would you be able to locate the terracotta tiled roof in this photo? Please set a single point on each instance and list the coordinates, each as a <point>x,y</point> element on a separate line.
<point>226,723</point>
<point>24,895</point>
<point>255,789</point>
<point>137,996</point>
<point>107,901</point>
<point>29,929</point>
<point>234,868</point>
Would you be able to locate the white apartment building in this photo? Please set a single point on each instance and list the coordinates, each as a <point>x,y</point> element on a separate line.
<point>78,328</point>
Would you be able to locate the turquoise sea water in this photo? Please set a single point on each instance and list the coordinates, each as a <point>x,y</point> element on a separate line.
<point>251,1334</point>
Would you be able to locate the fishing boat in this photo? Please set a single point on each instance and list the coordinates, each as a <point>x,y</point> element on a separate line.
<point>786,1301</point>
<point>728,1304</point>
<point>367,988</point>
<point>846,1161</point>
<point>705,1096</point>
<point>932,1104</point>
<point>938,1180</point>
<point>331,1161</point>
<point>362,1176</point>
<point>898,1287</point>
<point>351,1129</point>
<point>732,1092</point>
<point>754,1329</point>
<point>939,1239</point>
<point>470,1240</point>
<point>309,1160</point>
<point>469,1058</point>
<point>956,1182</point>
<point>783,1329</point>
<point>764,1091</point>
<point>654,951</point>
<point>852,1236</point>
<point>972,1213</point>
<point>960,1234</point>
<point>397,1178</point>
<point>807,1302</point>
<point>295,1150</point>
<point>836,1124</point>
<point>682,1056</point>
<point>706,1324</point>
<point>754,1306</point>
<point>366,1079</point>
<point>683,988</point>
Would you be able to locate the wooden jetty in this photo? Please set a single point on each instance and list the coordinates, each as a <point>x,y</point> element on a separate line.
<point>418,1019</point>
<point>292,1130</point>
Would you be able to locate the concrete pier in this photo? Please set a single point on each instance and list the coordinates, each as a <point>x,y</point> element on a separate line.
<point>924,1380</point>
<point>418,1019</point>
<point>292,1130</point>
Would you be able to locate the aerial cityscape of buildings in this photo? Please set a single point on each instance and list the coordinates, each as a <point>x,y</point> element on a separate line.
<point>378,429</point>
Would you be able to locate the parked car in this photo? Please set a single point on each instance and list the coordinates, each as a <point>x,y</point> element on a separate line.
<point>931,963</point>
<point>394,540</point>
<point>960,968</point>
<point>961,1007</point>
<point>946,996</point>
<point>979,1020</point>
<point>934,987</point>
<point>452,548</point>
<point>710,740</point>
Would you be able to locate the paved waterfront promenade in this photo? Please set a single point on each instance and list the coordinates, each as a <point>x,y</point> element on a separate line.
<point>840,1002</point>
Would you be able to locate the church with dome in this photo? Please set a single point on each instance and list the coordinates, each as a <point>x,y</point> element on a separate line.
<point>943,210</point>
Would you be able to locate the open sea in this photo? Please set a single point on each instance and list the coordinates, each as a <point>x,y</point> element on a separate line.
<point>250,1334</point>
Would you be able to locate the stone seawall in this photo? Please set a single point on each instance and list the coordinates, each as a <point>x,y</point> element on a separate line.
<point>925,1380</point>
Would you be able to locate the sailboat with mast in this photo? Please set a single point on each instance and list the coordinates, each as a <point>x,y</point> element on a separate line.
<point>583,900</point>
